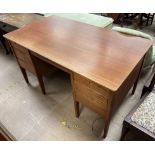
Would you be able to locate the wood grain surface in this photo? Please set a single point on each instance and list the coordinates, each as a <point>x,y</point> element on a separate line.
<point>103,64</point>
<point>97,54</point>
<point>18,20</point>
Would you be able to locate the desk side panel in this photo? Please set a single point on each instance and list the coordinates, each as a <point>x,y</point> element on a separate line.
<point>91,94</point>
<point>126,86</point>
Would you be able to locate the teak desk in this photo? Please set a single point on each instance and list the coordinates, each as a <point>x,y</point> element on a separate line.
<point>103,65</point>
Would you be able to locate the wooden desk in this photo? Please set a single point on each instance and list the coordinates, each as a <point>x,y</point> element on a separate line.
<point>103,65</point>
<point>12,21</point>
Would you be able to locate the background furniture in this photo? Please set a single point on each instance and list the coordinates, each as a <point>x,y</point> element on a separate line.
<point>141,118</point>
<point>114,16</point>
<point>4,42</point>
<point>145,19</point>
<point>100,80</point>
<point>91,19</point>
<point>128,18</point>
<point>12,21</point>
<point>139,20</point>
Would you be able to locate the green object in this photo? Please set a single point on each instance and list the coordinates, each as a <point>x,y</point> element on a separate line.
<point>87,18</point>
<point>150,57</point>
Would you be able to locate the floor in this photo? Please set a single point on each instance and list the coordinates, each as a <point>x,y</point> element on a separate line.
<point>29,115</point>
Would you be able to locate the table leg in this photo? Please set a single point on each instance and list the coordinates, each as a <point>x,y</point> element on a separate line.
<point>76,106</point>
<point>136,82</point>
<point>41,83</point>
<point>106,127</point>
<point>24,74</point>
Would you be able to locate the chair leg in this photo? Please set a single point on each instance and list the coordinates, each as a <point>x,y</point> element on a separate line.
<point>122,20</point>
<point>152,18</point>
<point>76,107</point>
<point>125,130</point>
<point>148,17</point>
<point>24,74</point>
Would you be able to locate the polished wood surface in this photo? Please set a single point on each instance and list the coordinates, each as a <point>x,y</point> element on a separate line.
<point>18,20</point>
<point>12,21</point>
<point>103,64</point>
<point>100,55</point>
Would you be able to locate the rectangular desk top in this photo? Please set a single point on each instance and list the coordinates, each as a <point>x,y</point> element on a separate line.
<point>100,55</point>
<point>19,19</point>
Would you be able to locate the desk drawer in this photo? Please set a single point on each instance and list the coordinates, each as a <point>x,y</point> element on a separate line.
<point>90,94</point>
<point>23,57</point>
<point>22,53</point>
<point>89,84</point>
<point>26,65</point>
<point>19,48</point>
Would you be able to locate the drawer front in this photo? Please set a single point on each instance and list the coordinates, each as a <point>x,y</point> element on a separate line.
<point>23,57</point>
<point>19,48</point>
<point>26,65</point>
<point>90,94</point>
<point>95,87</point>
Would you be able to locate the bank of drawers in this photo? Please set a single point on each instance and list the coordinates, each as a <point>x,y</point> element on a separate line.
<point>89,93</point>
<point>23,57</point>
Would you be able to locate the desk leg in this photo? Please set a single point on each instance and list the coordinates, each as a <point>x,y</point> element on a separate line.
<point>136,82</point>
<point>106,126</point>
<point>24,74</point>
<point>39,71</point>
<point>77,111</point>
<point>41,83</point>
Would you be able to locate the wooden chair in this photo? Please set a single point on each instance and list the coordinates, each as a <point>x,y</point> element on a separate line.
<point>141,118</point>
<point>127,18</point>
<point>144,19</point>
<point>147,19</point>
